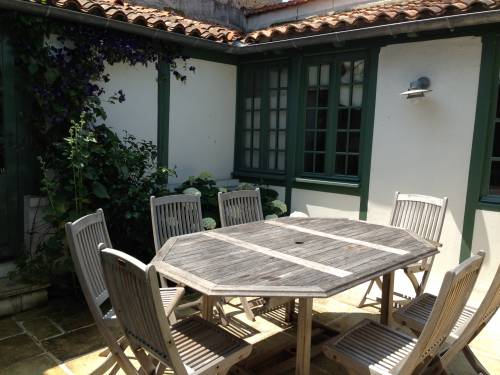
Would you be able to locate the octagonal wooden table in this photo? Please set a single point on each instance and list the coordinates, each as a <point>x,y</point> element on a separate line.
<point>304,258</point>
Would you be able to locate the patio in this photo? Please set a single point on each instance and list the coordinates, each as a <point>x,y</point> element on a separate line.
<point>61,338</point>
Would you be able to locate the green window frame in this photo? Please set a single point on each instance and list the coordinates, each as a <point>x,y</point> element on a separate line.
<point>333,97</point>
<point>262,119</point>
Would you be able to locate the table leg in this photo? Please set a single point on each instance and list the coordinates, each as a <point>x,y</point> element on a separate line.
<point>304,336</point>
<point>207,307</point>
<point>387,295</point>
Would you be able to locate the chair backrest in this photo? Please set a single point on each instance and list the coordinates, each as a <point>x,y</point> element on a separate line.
<point>135,295</point>
<point>84,236</point>
<point>175,215</point>
<point>422,214</point>
<point>485,311</point>
<point>454,293</point>
<point>240,207</point>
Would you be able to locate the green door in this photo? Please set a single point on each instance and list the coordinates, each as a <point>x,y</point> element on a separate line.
<point>8,160</point>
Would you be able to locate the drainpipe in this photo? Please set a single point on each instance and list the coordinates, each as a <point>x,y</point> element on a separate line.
<point>440,23</point>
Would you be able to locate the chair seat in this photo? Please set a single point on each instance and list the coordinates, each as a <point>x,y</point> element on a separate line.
<point>166,294</point>
<point>202,345</point>
<point>370,348</point>
<point>415,313</point>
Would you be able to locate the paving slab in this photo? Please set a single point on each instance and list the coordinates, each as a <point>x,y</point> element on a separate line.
<point>8,327</point>
<point>75,343</point>
<point>17,348</point>
<point>41,364</point>
<point>41,328</point>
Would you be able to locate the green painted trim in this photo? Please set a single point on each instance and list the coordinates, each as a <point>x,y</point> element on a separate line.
<point>209,55</point>
<point>163,112</point>
<point>324,186</point>
<point>327,182</point>
<point>367,135</point>
<point>294,88</point>
<point>479,140</point>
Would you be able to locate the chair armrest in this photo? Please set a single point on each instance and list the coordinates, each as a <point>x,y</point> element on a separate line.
<point>174,297</point>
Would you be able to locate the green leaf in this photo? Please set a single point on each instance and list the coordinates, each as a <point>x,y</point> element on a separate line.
<point>99,190</point>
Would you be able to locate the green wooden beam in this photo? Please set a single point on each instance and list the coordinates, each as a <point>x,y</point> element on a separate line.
<point>487,85</point>
<point>293,105</point>
<point>163,112</point>
<point>367,132</point>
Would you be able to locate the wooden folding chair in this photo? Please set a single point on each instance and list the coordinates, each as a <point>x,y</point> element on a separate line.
<point>84,237</point>
<point>424,216</point>
<point>192,346</point>
<point>175,215</point>
<point>371,348</point>
<point>416,313</point>
<point>241,207</point>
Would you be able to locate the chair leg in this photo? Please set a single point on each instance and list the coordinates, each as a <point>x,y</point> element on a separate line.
<point>414,282</point>
<point>147,365</point>
<point>246,308</point>
<point>363,300</point>
<point>224,319</point>
<point>108,363</point>
<point>474,362</point>
<point>289,311</point>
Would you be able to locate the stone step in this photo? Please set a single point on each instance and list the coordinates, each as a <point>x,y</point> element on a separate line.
<point>17,296</point>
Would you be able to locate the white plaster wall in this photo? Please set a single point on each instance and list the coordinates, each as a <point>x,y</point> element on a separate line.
<point>202,121</point>
<point>487,238</point>
<point>423,146</point>
<point>280,190</point>
<point>322,204</point>
<point>139,113</point>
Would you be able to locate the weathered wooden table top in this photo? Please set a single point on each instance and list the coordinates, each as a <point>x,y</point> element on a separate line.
<point>296,257</point>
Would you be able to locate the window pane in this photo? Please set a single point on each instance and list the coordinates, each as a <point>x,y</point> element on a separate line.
<point>498,102</point>
<point>313,76</point>
<point>343,118</point>
<point>340,164</point>
<point>247,159</point>
<point>355,118</point>
<point>272,120</point>
<point>322,119</point>
<point>273,79</point>
<point>248,120</point>
<point>281,160</point>
<point>357,95</point>
<point>272,140</point>
<point>256,120</point>
<point>284,77</point>
<point>311,98</point>
<point>256,139</point>
<point>495,178</point>
<point>282,140</point>
<point>320,141</point>
<point>345,72</point>
<point>283,99</point>
<point>345,92</point>
<point>282,120</point>
<point>496,141</point>
<point>308,162</point>
<point>320,163</point>
<point>354,142</point>
<point>341,142</point>
<point>248,103</point>
<point>248,139</point>
<point>272,160</point>
<point>352,165</point>
<point>359,68</point>
<point>255,161</point>
<point>309,141</point>
<point>323,98</point>
<point>273,99</point>
<point>256,103</point>
<point>325,75</point>
<point>311,119</point>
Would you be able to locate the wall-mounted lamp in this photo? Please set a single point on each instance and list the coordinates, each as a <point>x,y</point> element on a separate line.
<point>418,88</point>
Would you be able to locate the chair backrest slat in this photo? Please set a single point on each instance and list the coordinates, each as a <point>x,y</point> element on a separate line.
<point>240,207</point>
<point>84,236</point>
<point>466,333</point>
<point>175,215</point>
<point>421,214</point>
<point>453,295</point>
<point>135,295</point>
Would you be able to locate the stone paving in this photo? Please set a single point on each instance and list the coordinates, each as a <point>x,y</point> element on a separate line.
<point>60,338</point>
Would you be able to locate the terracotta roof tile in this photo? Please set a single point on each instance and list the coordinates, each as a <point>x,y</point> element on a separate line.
<point>150,17</point>
<point>371,14</point>
<point>365,16</point>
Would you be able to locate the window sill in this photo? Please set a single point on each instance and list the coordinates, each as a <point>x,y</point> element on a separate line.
<point>328,186</point>
<point>269,178</point>
<point>489,203</point>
